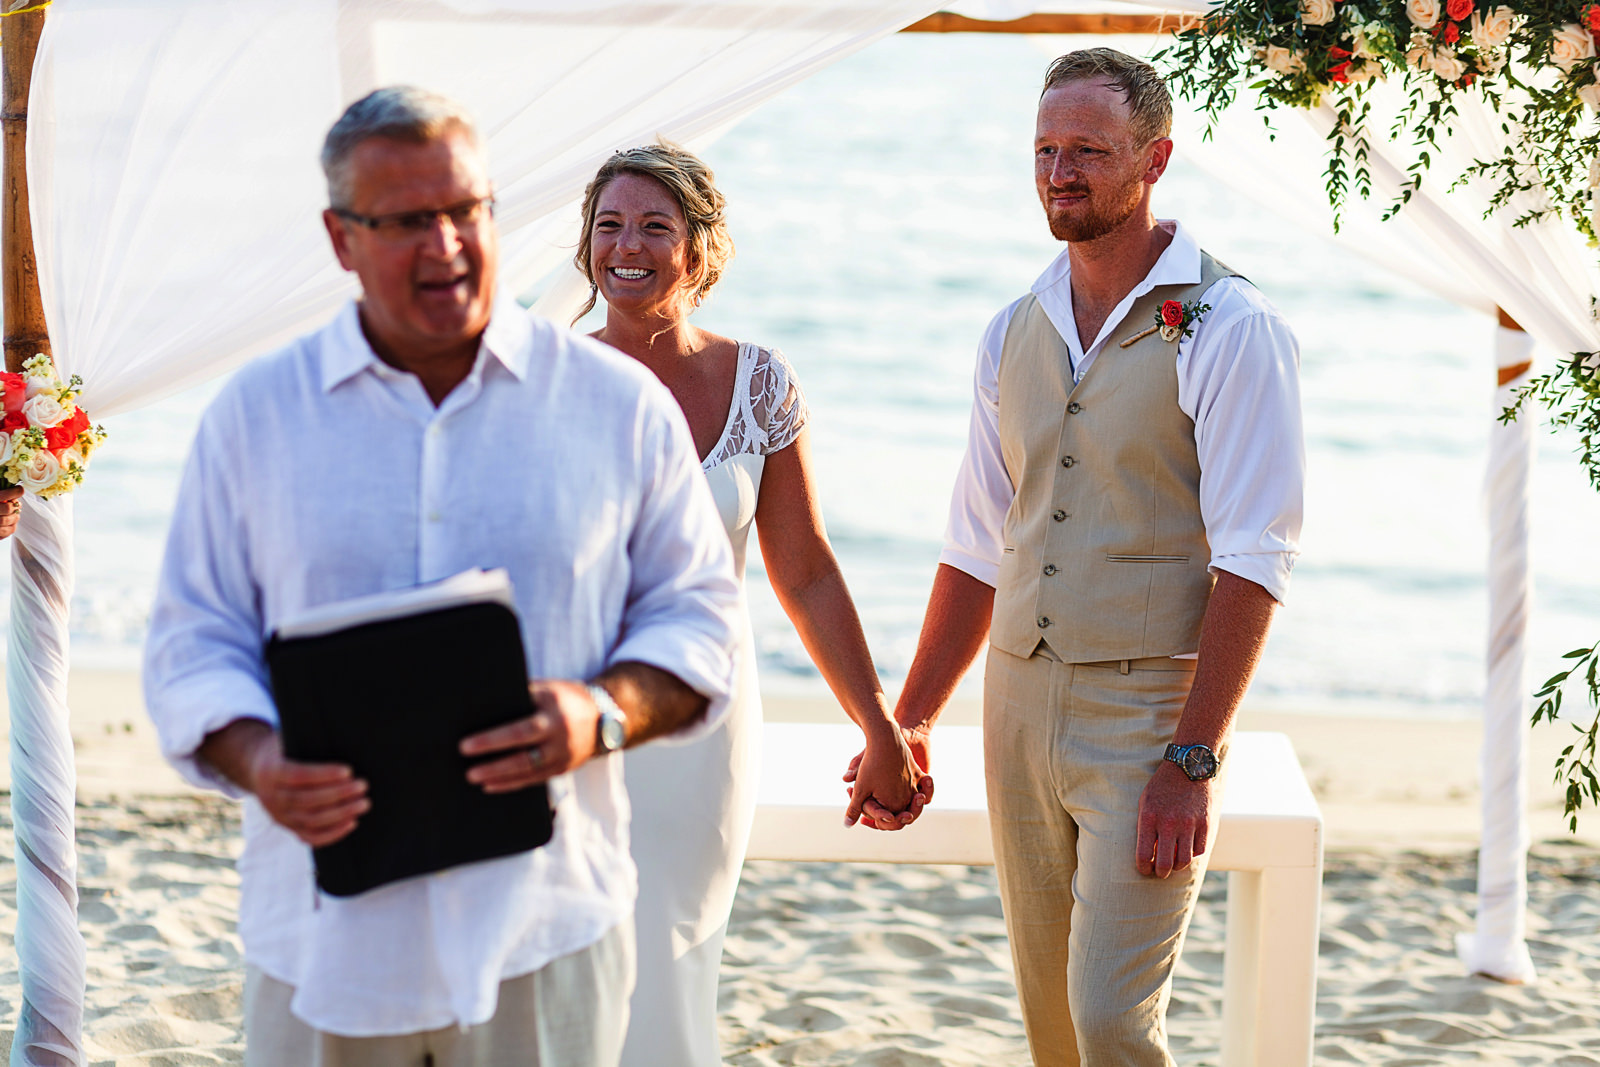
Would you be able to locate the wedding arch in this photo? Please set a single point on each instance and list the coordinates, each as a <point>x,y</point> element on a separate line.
<point>128,237</point>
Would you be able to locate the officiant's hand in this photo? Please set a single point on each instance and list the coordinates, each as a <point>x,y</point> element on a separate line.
<point>10,510</point>
<point>317,802</point>
<point>558,737</point>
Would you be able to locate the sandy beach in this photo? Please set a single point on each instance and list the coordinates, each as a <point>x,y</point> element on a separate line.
<point>906,966</point>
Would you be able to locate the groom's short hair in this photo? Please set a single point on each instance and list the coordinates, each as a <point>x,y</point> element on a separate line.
<point>399,112</point>
<point>1149,102</point>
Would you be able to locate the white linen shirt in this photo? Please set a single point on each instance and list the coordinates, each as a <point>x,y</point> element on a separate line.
<point>1238,379</point>
<point>321,473</point>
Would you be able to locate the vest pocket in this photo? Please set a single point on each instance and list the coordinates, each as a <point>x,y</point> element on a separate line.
<point>1112,557</point>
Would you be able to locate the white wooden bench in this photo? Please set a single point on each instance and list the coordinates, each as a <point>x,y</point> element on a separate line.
<point>1270,843</point>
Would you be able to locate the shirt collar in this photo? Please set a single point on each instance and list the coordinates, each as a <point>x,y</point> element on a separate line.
<point>507,339</point>
<point>1178,265</point>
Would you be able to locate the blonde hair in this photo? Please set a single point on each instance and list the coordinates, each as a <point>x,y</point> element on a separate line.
<point>1149,102</point>
<point>690,182</point>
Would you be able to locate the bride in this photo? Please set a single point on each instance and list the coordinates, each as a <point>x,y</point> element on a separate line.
<point>654,243</point>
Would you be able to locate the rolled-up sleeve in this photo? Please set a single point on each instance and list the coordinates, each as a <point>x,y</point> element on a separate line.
<point>203,665</point>
<point>683,597</point>
<point>974,539</point>
<point>1242,388</point>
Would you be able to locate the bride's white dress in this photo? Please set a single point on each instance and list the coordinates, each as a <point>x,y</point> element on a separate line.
<point>693,804</point>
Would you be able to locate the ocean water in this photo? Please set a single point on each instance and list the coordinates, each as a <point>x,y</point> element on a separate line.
<point>884,211</point>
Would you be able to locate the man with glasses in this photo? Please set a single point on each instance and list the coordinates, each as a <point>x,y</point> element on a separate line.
<point>434,427</point>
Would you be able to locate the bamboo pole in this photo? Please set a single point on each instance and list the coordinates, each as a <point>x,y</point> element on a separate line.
<point>25,330</point>
<point>945,22</point>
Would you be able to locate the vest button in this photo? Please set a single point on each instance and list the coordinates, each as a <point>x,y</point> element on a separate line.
<point>1044,620</point>
<point>1058,515</point>
<point>1049,568</point>
<point>1074,407</point>
<point>1067,461</point>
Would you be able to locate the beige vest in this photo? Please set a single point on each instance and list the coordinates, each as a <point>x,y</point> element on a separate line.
<point>1105,550</point>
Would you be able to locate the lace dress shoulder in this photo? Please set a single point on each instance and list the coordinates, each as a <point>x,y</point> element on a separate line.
<point>769,410</point>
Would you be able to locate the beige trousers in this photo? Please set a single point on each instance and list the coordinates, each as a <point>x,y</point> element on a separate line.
<point>1068,749</point>
<point>572,1012</point>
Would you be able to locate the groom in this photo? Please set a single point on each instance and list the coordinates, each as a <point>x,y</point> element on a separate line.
<point>1130,498</point>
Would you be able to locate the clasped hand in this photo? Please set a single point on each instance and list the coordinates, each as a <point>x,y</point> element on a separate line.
<point>887,782</point>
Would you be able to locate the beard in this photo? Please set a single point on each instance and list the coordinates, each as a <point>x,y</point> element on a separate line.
<point>1098,215</point>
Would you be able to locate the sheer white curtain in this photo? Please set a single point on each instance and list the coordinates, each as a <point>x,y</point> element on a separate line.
<point>172,162</point>
<point>1544,277</point>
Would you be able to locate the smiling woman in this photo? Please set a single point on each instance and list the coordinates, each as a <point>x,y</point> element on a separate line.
<point>653,245</point>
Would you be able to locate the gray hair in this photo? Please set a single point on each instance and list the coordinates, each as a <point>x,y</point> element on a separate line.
<point>399,112</point>
<point>1149,102</point>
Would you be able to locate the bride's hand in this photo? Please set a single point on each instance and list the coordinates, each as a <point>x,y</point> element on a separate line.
<point>887,787</point>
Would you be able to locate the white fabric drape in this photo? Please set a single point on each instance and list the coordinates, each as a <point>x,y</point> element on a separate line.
<point>1543,276</point>
<point>172,164</point>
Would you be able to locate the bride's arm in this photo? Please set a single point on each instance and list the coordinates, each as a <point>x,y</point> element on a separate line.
<point>806,577</point>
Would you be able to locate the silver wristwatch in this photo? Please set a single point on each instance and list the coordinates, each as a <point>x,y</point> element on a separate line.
<point>1197,761</point>
<point>611,732</point>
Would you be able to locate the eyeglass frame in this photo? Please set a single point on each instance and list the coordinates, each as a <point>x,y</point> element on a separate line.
<point>432,215</point>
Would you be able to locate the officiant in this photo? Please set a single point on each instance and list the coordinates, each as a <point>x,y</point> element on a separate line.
<point>430,428</point>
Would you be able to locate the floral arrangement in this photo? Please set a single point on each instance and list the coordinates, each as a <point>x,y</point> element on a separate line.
<point>45,438</point>
<point>1534,61</point>
<point>1177,320</point>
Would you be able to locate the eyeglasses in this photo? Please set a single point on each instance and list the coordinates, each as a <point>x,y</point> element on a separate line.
<point>407,225</point>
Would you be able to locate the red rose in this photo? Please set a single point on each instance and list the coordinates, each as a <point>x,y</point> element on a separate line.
<point>1340,73</point>
<point>1172,313</point>
<point>1452,33</point>
<point>16,390</point>
<point>1467,80</point>
<point>1593,18</point>
<point>1458,9</point>
<point>1339,53</point>
<point>78,423</point>
<point>59,438</point>
<point>14,421</point>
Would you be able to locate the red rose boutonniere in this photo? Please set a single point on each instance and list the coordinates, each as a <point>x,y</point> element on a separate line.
<point>1176,320</point>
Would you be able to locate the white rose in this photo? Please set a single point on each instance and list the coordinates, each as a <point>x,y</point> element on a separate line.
<point>1420,57</point>
<point>1491,62</point>
<point>1283,60</point>
<point>1447,66</point>
<point>40,473</point>
<point>1590,95</point>
<point>1570,44</point>
<point>41,383</point>
<point>1362,49</point>
<point>44,410</point>
<point>7,446</point>
<point>1316,12</point>
<point>1423,13</point>
<point>1491,30</point>
<point>72,456</point>
<point>1365,71</point>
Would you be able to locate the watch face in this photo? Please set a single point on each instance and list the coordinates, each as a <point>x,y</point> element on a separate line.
<point>1199,762</point>
<point>612,732</point>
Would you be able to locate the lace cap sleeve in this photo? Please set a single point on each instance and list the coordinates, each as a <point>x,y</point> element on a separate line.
<point>776,400</point>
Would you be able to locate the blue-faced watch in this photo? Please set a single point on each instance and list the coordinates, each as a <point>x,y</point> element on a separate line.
<point>611,731</point>
<point>1197,761</point>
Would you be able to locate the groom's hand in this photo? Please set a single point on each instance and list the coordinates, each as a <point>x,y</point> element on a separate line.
<point>1175,821</point>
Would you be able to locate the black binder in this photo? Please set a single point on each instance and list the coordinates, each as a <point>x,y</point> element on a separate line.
<point>393,697</point>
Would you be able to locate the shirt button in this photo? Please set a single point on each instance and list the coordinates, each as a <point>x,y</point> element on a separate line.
<point>1049,568</point>
<point>1067,461</point>
<point>1058,515</point>
<point>1044,620</point>
<point>1074,407</point>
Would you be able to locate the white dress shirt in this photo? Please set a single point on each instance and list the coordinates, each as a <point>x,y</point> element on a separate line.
<point>321,473</point>
<point>1238,379</point>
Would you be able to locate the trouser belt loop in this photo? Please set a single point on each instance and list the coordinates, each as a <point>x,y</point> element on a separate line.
<point>1122,666</point>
